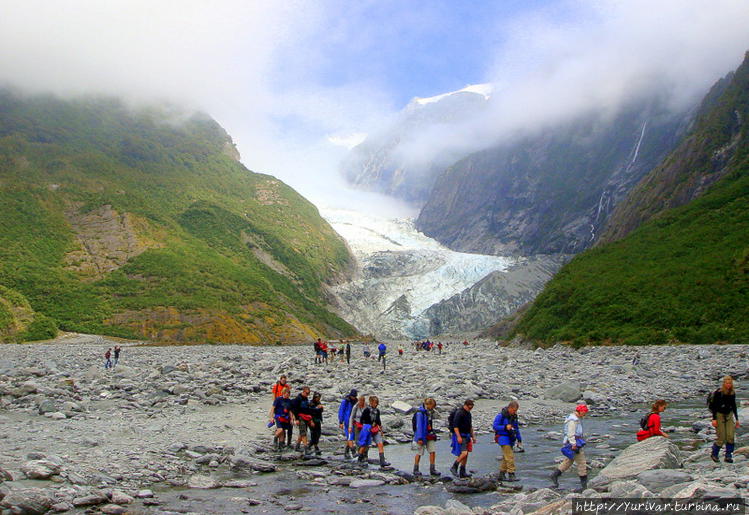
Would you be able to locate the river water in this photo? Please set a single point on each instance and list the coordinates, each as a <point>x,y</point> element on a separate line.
<point>285,491</point>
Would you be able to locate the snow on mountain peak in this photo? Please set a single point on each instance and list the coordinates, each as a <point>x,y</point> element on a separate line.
<point>480,89</point>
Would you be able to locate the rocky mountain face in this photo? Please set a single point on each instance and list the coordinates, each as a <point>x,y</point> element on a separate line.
<point>390,161</point>
<point>553,191</point>
<point>142,223</point>
<point>674,263</point>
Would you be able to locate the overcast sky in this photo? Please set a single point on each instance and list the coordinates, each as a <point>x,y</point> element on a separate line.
<point>287,78</point>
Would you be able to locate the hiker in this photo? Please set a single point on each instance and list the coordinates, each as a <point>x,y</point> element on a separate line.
<point>367,353</point>
<point>371,432</point>
<point>344,415</point>
<point>324,352</point>
<point>506,434</point>
<point>355,425</point>
<point>572,449</point>
<point>381,351</point>
<point>424,436</point>
<point>400,350</point>
<point>722,404</point>
<point>302,417</point>
<point>278,387</point>
<point>439,347</point>
<point>348,353</point>
<point>317,409</point>
<point>651,423</point>
<point>108,359</point>
<point>463,438</point>
<point>636,359</point>
<point>280,413</point>
<point>117,351</point>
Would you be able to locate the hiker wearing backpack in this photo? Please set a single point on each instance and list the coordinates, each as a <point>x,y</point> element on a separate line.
<point>506,433</point>
<point>371,432</point>
<point>460,424</point>
<point>381,351</point>
<point>355,425</point>
<point>573,447</point>
<point>650,424</point>
<point>344,415</point>
<point>281,415</point>
<point>425,438</point>
<point>300,407</point>
<point>722,405</point>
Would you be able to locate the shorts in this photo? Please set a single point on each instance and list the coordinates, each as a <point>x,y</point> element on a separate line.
<point>303,425</point>
<point>377,438</point>
<point>283,425</point>
<point>430,446</point>
<point>466,445</point>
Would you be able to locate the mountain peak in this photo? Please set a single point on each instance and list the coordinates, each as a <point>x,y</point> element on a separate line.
<point>484,90</point>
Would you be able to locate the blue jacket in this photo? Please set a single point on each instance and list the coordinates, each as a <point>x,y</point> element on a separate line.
<point>382,348</point>
<point>503,436</point>
<point>422,425</point>
<point>344,411</point>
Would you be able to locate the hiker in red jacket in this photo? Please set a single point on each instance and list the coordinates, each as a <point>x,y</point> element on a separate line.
<point>651,423</point>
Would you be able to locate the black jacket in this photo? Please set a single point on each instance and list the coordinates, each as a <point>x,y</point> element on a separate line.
<point>724,404</point>
<point>463,421</point>
<point>371,416</point>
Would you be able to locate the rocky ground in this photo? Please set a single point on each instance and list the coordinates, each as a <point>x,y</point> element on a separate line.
<point>75,436</point>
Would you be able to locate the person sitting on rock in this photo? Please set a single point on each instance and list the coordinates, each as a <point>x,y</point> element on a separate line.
<point>302,418</point>
<point>722,405</point>
<point>317,409</point>
<point>463,439</point>
<point>281,414</point>
<point>506,434</point>
<point>371,432</point>
<point>424,436</point>
<point>651,423</point>
<point>573,447</point>
<point>355,425</point>
<point>344,415</point>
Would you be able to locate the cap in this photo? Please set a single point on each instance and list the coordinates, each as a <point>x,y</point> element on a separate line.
<point>353,393</point>
<point>582,408</point>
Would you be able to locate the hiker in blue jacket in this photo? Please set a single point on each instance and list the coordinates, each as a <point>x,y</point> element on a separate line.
<point>506,433</point>
<point>382,350</point>
<point>425,438</point>
<point>344,414</point>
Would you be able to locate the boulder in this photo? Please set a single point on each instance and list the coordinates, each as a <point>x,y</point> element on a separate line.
<point>202,482</point>
<point>656,452</point>
<point>40,469</point>
<point>401,407</point>
<point>92,499</point>
<point>593,398</point>
<point>455,507</point>
<point>567,392</point>
<point>366,483</point>
<point>120,497</point>
<point>114,509</point>
<point>47,406</point>
<point>31,501</point>
<point>429,510</point>
<point>657,479</point>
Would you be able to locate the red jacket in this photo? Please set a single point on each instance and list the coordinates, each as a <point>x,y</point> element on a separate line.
<point>654,428</point>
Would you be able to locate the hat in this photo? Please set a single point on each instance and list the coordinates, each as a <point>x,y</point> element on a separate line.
<point>353,393</point>
<point>582,408</point>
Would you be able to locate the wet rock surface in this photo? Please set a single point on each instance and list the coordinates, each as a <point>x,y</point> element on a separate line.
<point>191,421</point>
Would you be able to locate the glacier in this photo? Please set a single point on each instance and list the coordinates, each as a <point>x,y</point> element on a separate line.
<point>401,273</point>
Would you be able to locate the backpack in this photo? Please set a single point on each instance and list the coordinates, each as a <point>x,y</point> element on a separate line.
<point>711,401</point>
<point>413,421</point>
<point>644,422</point>
<point>451,419</point>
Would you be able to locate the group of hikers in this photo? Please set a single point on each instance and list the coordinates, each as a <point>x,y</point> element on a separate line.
<point>108,362</point>
<point>361,426</point>
<point>326,352</point>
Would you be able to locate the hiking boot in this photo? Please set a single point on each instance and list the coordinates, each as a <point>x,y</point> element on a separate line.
<point>555,477</point>
<point>454,469</point>
<point>502,475</point>
<point>347,453</point>
<point>728,459</point>
<point>433,470</point>
<point>714,454</point>
<point>298,447</point>
<point>463,474</point>
<point>583,484</point>
<point>511,477</point>
<point>383,463</point>
<point>729,452</point>
<point>318,452</point>
<point>416,472</point>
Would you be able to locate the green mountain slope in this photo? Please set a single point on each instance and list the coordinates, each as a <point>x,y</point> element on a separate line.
<point>142,223</point>
<point>682,276</point>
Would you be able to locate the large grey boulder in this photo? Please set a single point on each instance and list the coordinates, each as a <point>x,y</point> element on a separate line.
<point>658,479</point>
<point>40,469</point>
<point>567,392</point>
<point>656,452</point>
<point>29,501</point>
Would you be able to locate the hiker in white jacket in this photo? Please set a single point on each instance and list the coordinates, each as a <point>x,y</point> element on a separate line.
<point>572,448</point>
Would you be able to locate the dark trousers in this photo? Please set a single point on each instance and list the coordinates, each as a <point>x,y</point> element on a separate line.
<point>315,432</point>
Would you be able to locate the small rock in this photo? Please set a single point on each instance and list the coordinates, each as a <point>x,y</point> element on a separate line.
<point>40,469</point>
<point>120,497</point>
<point>365,483</point>
<point>113,509</point>
<point>92,499</point>
<point>202,482</point>
<point>144,494</point>
<point>402,407</point>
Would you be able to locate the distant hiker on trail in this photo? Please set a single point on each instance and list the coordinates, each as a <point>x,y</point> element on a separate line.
<point>117,351</point>
<point>324,352</point>
<point>506,434</point>
<point>317,409</point>
<point>278,387</point>
<point>439,347</point>
<point>381,351</point>
<point>367,353</point>
<point>424,436</point>
<point>348,353</point>
<point>318,351</point>
<point>344,415</point>
<point>465,343</point>
<point>355,425</point>
<point>108,359</point>
<point>302,418</point>
<point>281,414</point>
<point>636,359</point>
<point>463,438</point>
<point>573,447</point>
<point>400,350</point>
<point>650,425</point>
<point>722,404</point>
<point>371,432</point>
